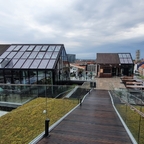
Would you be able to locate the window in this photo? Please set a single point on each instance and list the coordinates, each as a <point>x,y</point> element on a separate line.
<point>107,70</point>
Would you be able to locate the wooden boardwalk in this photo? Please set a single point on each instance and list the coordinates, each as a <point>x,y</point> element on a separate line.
<point>95,122</point>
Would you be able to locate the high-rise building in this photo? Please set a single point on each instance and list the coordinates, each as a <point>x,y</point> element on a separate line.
<point>71,58</point>
<point>137,55</point>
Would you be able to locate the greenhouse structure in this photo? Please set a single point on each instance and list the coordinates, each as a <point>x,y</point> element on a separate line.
<point>33,64</point>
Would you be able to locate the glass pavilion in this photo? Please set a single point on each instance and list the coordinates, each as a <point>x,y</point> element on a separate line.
<point>114,64</point>
<point>34,64</point>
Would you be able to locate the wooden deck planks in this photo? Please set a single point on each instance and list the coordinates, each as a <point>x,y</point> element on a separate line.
<point>95,122</point>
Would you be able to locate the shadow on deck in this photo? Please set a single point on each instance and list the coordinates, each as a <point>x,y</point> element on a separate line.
<point>95,122</point>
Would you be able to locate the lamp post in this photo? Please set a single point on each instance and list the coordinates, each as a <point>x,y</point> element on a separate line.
<point>47,119</point>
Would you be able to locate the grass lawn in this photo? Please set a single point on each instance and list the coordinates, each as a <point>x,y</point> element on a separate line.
<point>26,122</point>
<point>133,120</point>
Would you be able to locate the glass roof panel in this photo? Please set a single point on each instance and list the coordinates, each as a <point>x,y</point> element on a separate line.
<point>24,48</point>
<point>11,55</point>
<point>121,60</point>
<point>37,48</point>
<point>11,48</point>
<point>33,54</point>
<point>19,63</point>
<point>18,55</point>
<point>31,48</point>
<point>4,55</point>
<point>35,63</point>
<point>1,60</point>
<point>120,55</point>
<point>128,55</point>
<point>57,48</point>
<point>48,55</point>
<point>40,55</point>
<point>124,55</point>
<point>130,61</point>
<point>12,63</point>
<point>26,54</point>
<point>51,64</point>
<point>5,62</point>
<point>51,48</point>
<point>44,48</point>
<point>43,63</point>
<point>17,48</point>
<point>125,61</point>
<point>54,56</point>
<point>27,63</point>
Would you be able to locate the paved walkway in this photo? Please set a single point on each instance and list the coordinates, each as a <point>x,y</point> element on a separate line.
<point>95,122</point>
<point>109,83</point>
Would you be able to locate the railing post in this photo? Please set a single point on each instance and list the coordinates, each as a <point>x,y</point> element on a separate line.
<point>47,127</point>
<point>80,101</point>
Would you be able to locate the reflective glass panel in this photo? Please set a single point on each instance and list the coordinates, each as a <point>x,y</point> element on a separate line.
<point>51,64</point>
<point>124,55</point>
<point>41,77</point>
<point>19,63</point>
<point>48,55</point>
<point>120,55</point>
<point>33,54</point>
<point>24,48</point>
<point>1,60</point>
<point>43,63</point>
<point>5,62</point>
<point>11,55</point>
<point>51,48</point>
<point>27,63</point>
<point>31,48</point>
<point>40,55</point>
<point>121,61</point>
<point>26,54</point>
<point>11,48</point>
<point>129,61</point>
<point>44,48</point>
<point>12,63</point>
<point>18,55</point>
<point>54,56</point>
<point>17,48</point>
<point>35,63</point>
<point>57,48</point>
<point>125,60</point>
<point>128,55</point>
<point>37,48</point>
<point>4,55</point>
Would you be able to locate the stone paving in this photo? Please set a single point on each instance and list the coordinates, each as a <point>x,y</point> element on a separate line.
<point>105,83</point>
<point>109,83</point>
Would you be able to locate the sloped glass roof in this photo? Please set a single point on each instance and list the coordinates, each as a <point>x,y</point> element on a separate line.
<point>30,56</point>
<point>125,58</point>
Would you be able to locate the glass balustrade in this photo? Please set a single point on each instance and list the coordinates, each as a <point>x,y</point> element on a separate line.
<point>32,105</point>
<point>130,105</point>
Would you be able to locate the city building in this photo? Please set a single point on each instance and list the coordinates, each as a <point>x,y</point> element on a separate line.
<point>114,64</point>
<point>33,64</point>
<point>141,70</point>
<point>71,58</point>
<point>137,55</point>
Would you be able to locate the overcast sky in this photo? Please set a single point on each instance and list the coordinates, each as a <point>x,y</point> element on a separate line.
<point>85,27</point>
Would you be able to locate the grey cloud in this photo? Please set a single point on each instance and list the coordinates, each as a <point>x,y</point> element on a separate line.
<point>90,22</point>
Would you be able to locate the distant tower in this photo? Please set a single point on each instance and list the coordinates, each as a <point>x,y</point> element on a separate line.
<point>137,55</point>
